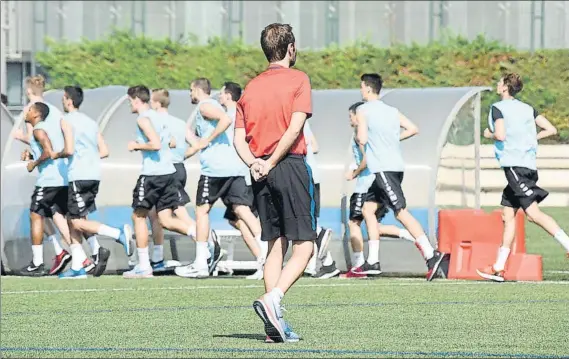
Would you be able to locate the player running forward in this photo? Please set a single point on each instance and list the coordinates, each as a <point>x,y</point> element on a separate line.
<point>364,206</point>
<point>160,100</point>
<point>269,138</point>
<point>328,268</point>
<point>156,186</point>
<point>228,96</point>
<point>379,130</point>
<point>84,176</point>
<point>512,125</point>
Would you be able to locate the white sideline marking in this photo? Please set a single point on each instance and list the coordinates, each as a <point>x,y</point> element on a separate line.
<point>401,282</point>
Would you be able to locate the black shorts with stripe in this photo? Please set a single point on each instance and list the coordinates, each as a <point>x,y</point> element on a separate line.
<point>81,198</point>
<point>181,177</point>
<point>357,201</point>
<point>46,201</point>
<point>388,190</point>
<point>522,189</point>
<point>231,190</point>
<point>161,191</point>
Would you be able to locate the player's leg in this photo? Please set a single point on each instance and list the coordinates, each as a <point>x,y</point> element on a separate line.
<point>157,257</point>
<point>79,260</point>
<point>323,234</point>
<point>39,209</point>
<point>371,266</point>
<point>62,257</point>
<point>535,215</point>
<point>50,232</point>
<point>250,241</point>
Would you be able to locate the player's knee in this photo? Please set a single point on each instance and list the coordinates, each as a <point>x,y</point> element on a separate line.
<point>355,223</point>
<point>76,223</point>
<point>202,211</point>
<point>508,216</point>
<point>402,212</point>
<point>532,214</point>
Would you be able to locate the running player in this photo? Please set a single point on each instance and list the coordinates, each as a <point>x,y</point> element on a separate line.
<point>364,206</point>
<point>221,177</point>
<point>268,137</point>
<point>512,125</point>
<point>156,186</point>
<point>84,176</point>
<point>379,130</point>
<point>228,96</point>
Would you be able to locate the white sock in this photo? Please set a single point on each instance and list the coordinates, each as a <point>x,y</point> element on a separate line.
<point>202,255</point>
<point>328,261</point>
<point>562,238</point>
<point>37,254</point>
<point>143,258</point>
<point>358,259</point>
<point>404,234</point>
<point>425,247</point>
<point>94,244</point>
<point>318,230</point>
<point>277,294</point>
<point>77,256</point>
<point>503,254</point>
<point>373,251</point>
<point>158,253</point>
<point>107,231</point>
<point>263,247</point>
<point>192,232</point>
<point>311,266</point>
<point>56,245</point>
<point>210,238</point>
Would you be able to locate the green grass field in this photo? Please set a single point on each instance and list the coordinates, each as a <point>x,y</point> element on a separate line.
<point>385,317</point>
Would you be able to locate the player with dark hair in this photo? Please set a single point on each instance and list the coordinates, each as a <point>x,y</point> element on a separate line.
<point>512,125</point>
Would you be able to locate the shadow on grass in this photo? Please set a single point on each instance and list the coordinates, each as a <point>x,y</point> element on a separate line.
<point>258,337</point>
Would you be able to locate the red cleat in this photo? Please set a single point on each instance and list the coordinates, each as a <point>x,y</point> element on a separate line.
<point>354,272</point>
<point>60,262</point>
<point>88,265</point>
<point>490,273</point>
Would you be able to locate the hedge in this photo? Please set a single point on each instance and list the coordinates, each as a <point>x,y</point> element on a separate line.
<point>122,59</point>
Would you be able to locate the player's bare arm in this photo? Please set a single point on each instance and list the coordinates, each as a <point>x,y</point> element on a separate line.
<point>102,145</point>
<point>47,149</point>
<point>314,144</point>
<point>69,142</point>
<point>212,113</point>
<point>361,133</point>
<point>499,133</point>
<point>547,129</point>
<point>153,143</point>
<point>409,128</point>
<point>363,163</point>
<point>289,138</point>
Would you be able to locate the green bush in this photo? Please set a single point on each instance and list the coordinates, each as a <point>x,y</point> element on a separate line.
<point>122,59</point>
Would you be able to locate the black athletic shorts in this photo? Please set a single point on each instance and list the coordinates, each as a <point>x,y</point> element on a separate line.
<point>46,201</point>
<point>160,191</point>
<point>181,176</point>
<point>285,201</point>
<point>522,189</point>
<point>81,198</point>
<point>357,201</point>
<point>387,190</point>
<point>231,190</point>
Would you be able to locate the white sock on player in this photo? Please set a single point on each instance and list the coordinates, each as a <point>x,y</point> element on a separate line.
<point>318,230</point>
<point>107,231</point>
<point>56,245</point>
<point>503,254</point>
<point>328,260</point>
<point>202,255</point>
<point>37,254</point>
<point>77,256</point>
<point>94,244</point>
<point>311,266</point>
<point>263,248</point>
<point>373,252</point>
<point>404,234</point>
<point>158,253</point>
<point>563,239</point>
<point>143,258</point>
<point>358,259</point>
<point>425,247</point>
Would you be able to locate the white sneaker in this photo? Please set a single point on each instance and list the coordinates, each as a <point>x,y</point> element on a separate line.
<point>191,271</point>
<point>138,273</point>
<point>258,275</point>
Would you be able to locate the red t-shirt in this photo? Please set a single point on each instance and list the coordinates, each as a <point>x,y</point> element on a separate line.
<point>266,107</point>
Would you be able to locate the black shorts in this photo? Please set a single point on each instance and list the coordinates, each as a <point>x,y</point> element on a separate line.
<point>522,189</point>
<point>160,191</point>
<point>81,198</point>
<point>285,201</point>
<point>46,201</point>
<point>387,190</point>
<point>231,190</point>
<point>181,176</point>
<point>357,201</point>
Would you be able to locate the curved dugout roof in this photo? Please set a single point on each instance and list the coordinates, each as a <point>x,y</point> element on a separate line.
<point>6,129</point>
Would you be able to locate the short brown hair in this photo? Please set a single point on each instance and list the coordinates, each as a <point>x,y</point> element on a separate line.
<point>161,96</point>
<point>36,84</point>
<point>275,39</point>
<point>202,83</point>
<point>140,92</point>
<point>514,83</point>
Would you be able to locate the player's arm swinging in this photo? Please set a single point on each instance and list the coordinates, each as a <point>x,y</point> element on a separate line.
<point>102,145</point>
<point>498,133</point>
<point>153,143</point>
<point>45,143</point>
<point>69,143</point>
<point>409,128</point>
<point>363,163</point>
<point>212,113</point>
<point>361,132</point>
<point>192,140</point>
<point>547,129</point>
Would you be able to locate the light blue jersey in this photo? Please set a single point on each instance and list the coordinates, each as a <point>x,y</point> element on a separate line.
<point>519,149</point>
<point>177,128</point>
<point>219,159</point>
<point>85,164</point>
<point>365,178</point>
<point>310,156</point>
<point>156,163</point>
<point>52,173</point>
<point>383,149</point>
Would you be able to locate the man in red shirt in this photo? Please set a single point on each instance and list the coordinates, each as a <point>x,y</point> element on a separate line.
<point>269,138</point>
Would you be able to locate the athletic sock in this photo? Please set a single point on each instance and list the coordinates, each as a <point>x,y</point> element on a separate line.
<point>277,295</point>
<point>425,247</point>
<point>210,238</point>
<point>311,266</point>
<point>318,230</point>
<point>328,261</point>
<point>562,238</point>
<point>358,259</point>
<point>503,254</point>
<point>158,253</point>
<point>94,244</point>
<point>373,251</point>
<point>404,234</point>
<point>37,254</point>
<point>202,255</point>
<point>143,259</point>
<point>77,256</point>
<point>107,231</point>
<point>56,245</point>
<point>192,232</point>
<point>263,248</point>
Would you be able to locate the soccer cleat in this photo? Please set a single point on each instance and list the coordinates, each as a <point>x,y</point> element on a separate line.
<point>354,272</point>
<point>138,273</point>
<point>101,260</point>
<point>371,269</point>
<point>158,266</point>
<point>216,253</point>
<point>126,240</point>
<point>490,273</point>
<point>88,265</point>
<point>33,270</point>
<point>191,271</point>
<point>268,311</point>
<point>326,272</point>
<point>433,265</point>
<point>74,274</point>
<point>60,262</point>
<point>291,337</point>
<point>322,242</point>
